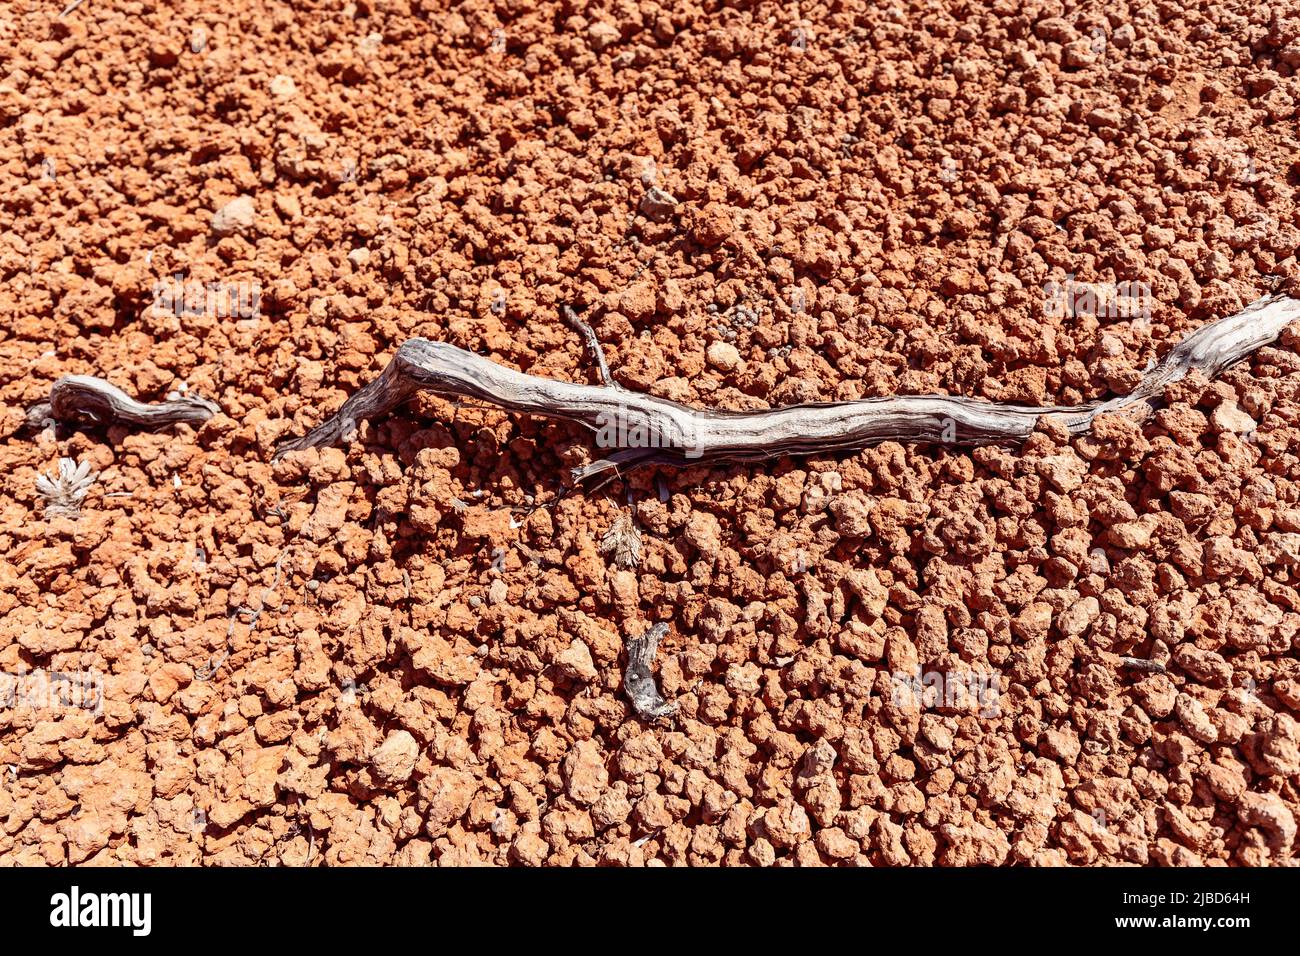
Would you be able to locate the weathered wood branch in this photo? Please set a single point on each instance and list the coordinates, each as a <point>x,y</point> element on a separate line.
<point>86,400</point>
<point>639,679</point>
<point>636,429</point>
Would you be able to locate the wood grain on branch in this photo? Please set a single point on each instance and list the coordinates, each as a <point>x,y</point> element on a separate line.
<point>637,429</point>
<point>86,400</point>
<point>638,677</point>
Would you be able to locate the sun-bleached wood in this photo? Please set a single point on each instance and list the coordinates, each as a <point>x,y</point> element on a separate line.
<point>87,400</point>
<point>639,679</point>
<point>636,429</point>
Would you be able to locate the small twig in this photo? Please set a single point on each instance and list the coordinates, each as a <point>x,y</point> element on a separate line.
<point>254,613</point>
<point>87,400</point>
<point>1143,664</point>
<point>70,7</point>
<point>642,841</point>
<point>295,829</point>
<point>593,344</point>
<point>205,671</point>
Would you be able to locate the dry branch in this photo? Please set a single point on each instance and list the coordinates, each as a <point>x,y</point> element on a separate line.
<point>638,429</point>
<point>86,400</point>
<point>639,679</point>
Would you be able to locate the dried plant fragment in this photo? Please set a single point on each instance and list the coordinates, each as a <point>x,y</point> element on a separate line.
<point>65,492</point>
<point>1143,664</point>
<point>639,680</point>
<point>87,400</point>
<point>636,429</point>
<point>622,542</point>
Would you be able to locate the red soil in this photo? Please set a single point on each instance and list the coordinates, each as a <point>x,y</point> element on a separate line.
<point>417,680</point>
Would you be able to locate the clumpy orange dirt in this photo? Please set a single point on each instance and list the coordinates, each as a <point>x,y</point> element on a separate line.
<point>377,654</point>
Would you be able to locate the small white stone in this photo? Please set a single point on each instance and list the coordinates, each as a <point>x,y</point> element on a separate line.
<point>283,86</point>
<point>1228,417</point>
<point>238,215</point>
<point>723,356</point>
<point>601,34</point>
<point>576,661</point>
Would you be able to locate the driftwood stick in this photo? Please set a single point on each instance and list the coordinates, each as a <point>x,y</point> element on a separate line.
<point>86,400</point>
<point>638,429</point>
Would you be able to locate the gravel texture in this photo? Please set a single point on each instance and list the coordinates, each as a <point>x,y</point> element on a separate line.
<point>377,654</point>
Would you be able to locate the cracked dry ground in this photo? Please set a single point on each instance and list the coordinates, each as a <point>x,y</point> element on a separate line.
<point>429,680</point>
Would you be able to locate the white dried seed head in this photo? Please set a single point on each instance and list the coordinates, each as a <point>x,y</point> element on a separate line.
<point>65,491</point>
<point>622,542</point>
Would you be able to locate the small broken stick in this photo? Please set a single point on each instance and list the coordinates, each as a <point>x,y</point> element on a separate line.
<point>1143,664</point>
<point>593,344</point>
<point>87,400</point>
<point>639,679</point>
